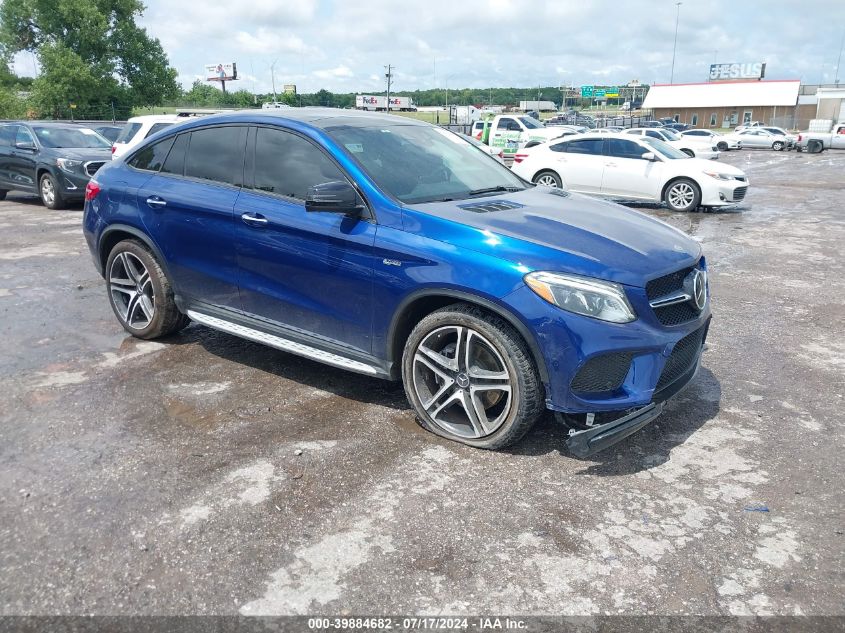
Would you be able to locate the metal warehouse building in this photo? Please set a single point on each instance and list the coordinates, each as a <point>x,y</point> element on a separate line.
<point>726,104</point>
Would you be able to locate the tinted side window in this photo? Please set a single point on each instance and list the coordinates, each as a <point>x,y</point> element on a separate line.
<point>654,134</point>
<point>7,135</point>
<point>175,162</point>
<point>621,148</point>
<point>24,136</point>
<point>156,127</point>
<point>558,147</point>
<point>287,164</point>
<point>504,123</point>
<point>586,146</point>
<point>151,158</point>
<point>128,132</point>
<point>217,154</point>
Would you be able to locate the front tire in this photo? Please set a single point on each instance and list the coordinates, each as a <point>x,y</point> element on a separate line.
<point>682,194</point>
<point>471,378</point>
<point>140,294</point>
<point>778,146</point>
<point>51,195</point>
<point>548,178</point>
<point>722,146</point>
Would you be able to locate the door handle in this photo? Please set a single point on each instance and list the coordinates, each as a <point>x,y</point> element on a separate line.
<point>610,164</point>
<point>155,202</point>
<point>254,219</point>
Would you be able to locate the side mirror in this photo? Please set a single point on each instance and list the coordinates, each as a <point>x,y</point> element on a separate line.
<point>649,156</point>
<point>25,145</point>
<point>333,197</point>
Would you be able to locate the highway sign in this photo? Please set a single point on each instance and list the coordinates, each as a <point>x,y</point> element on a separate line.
<point>586,91</point>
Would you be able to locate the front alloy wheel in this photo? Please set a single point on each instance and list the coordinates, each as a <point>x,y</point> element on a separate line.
<point>778,146</point>
<point>682,195</point>
<point>471,378</point>
<point>462,382</point>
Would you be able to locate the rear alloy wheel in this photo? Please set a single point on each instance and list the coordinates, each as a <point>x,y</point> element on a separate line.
<point>51,195</point>
<point>470,378</point>
<point>140,293</point>
<point>682,195</point>
<point>778,146</point>
<point>548,179</point>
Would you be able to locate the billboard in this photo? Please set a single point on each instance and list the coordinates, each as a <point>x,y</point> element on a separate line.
<point>726,72</point>
<point>289,89</point>
<point>221,72</point>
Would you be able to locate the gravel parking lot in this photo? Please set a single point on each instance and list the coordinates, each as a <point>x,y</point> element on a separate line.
<point>205,474</point>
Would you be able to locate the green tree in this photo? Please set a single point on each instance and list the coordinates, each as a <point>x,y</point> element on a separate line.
<point>89,52</point>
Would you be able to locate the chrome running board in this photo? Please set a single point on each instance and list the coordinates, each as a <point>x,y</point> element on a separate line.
<point>286,345</point>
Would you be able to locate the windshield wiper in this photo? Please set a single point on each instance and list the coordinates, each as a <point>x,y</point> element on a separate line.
<point>496,189</point>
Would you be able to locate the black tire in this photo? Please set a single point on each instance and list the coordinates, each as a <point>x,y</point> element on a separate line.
<point>778,146</point>
<point>526,401</point>
<point>688,152</point>
<point>166,318</point>
<point>553,177</point>
<point>49,192</point>
<point>722,146</point>
<point>674,191</point>
<point>815,146</point>
<point>3,193</point>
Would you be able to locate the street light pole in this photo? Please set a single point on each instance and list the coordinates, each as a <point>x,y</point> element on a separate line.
<point>836,76</point>
<point>675,45</point>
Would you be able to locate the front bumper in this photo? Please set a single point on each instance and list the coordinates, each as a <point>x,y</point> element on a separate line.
<point>721,192</point>
<point>598,438</point>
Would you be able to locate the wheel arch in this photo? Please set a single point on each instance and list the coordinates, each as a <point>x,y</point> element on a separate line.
<point>117,233</point>
<point>550,170</point>
<point>675,179</point>
<point>423,302</point>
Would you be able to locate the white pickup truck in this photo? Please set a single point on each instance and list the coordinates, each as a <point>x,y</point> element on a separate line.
<point>815,142</point>
<point>512,132</point>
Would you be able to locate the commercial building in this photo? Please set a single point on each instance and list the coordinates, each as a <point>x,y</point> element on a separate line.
<point>726,104</point>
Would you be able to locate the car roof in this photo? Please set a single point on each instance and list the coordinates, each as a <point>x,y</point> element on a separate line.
<point>318,117</point>
<point>57,124</point>
<point>156,118</point>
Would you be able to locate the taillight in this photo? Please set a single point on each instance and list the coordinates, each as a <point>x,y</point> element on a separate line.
<point>518,158</point>
<point>799,137</point>
<point>113,148</point>
<point>92,189</point>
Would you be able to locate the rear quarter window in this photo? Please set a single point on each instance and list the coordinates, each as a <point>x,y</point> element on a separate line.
<point>128,132</point>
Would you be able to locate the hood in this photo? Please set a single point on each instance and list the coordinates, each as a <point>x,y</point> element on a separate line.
<point>547,229</point>
<point>703,164</point>
<point>82,153</point>
<point>548,132</point>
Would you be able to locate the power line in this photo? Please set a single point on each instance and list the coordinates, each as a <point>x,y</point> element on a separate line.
<point>675,45</point>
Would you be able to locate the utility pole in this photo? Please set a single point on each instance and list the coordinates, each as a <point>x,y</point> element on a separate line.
<point>273,78</point>
<point>389,76</point>
<point>836,76</point>
<point>675,45</point>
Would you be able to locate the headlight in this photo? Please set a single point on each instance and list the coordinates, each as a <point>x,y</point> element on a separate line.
<point>67,164</point>
<point>590,297</point>
<point>719,176</point>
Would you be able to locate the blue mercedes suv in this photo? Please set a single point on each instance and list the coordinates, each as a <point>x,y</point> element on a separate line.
<point>394,248</point>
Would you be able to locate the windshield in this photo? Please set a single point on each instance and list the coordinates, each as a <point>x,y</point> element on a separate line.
<point>422,163</point>
<point>69,137</point>
<point>663,148</point>
<point>531,124</point>
<point>128,132</point>
<point>672,134</point>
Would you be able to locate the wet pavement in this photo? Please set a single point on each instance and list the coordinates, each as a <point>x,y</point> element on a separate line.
<point>204,474</point>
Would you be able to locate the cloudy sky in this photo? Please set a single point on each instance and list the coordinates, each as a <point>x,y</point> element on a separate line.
<point>342,45</point>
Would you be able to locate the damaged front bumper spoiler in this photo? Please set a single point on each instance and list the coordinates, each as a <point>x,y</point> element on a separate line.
<point>589,441</point>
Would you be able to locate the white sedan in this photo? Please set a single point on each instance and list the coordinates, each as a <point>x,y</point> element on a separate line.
<point>723,142</point>
<point>759,138</point>
<point>634,168</point>
<point>688,145</point>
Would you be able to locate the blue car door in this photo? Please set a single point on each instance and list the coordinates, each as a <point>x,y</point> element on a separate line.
<point>310,272</point>
<point>189,205</point>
